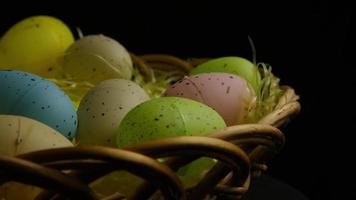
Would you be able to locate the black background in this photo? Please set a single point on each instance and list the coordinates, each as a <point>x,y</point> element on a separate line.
<point>309,45</point>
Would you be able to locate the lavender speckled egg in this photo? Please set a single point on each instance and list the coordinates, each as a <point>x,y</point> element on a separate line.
<point>29,95</point>
<point>228,94</point>
<point>234,65</point>
<point>102,109</point>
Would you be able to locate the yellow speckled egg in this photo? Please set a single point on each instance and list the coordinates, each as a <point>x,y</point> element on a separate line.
<point>34,45</point>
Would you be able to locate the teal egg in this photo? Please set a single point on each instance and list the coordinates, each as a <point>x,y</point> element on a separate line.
<point>29,95</point>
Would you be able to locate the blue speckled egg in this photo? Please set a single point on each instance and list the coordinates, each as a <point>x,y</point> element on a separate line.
<point>29,95</point>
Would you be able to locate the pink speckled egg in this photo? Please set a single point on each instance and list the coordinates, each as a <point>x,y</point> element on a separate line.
<point>230,95</point>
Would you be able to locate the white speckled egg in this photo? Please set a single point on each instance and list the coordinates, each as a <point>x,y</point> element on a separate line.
<point>102,109</point>
<point>29,95</point>
<point>95,58</point>
<point>20,135</point>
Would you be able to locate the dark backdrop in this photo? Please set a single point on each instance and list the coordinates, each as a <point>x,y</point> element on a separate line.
<point>309,44</point>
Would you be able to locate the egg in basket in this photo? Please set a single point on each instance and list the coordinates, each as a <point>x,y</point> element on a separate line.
<point>86,119</point>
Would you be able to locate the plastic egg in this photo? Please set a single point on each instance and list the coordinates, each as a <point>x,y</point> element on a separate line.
<point>228,94</point>
<point>102,109</point>
<point>34,45</point>
<point>235,65</point>
<point>26,94</point>
<point>20,135</point>
<point>169,117</point>
<point>95,58</point>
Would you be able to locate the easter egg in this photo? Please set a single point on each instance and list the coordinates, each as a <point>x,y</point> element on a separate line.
<point>169,117</point>
<point>102,109</point>
<point>95,58</point>
<point>228,94</point>
<point>34,45</point>
<point>28,95</point>
<point>20,135</point>
<point>235,65</point>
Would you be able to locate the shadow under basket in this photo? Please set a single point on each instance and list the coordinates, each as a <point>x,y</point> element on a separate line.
<point>241,151</point>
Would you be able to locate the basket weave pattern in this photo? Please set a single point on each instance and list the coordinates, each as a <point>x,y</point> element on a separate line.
<point>242,151</point>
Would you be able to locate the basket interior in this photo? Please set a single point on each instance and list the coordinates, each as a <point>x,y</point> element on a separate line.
<point>240,151</point>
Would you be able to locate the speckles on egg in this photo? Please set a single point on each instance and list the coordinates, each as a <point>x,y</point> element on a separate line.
<point>102,109</point>
<point>167,117</point>
<point>42,42</point>
<point>37,98</point>
<point>22,135</point>
<point>95,58</point>
<point>228,94</point>
<point>233,65</point>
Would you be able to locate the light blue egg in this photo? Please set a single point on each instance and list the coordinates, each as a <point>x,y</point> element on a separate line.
<point>29,95</point>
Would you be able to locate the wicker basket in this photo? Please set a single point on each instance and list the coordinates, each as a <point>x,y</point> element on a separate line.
<point>242,151</point>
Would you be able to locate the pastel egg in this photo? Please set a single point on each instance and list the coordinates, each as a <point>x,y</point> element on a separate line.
<point>234,65</point>
<point>35,45</point>
<point>20,135</point>
<point>228,94</point>
<point>95,58</point>
<point>102,109</point>
<point>28,95</point>
<point>169,117</point>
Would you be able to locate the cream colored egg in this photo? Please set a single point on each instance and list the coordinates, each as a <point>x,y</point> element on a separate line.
<point>102,109</point>
<point>20,135</point>
<point>95,58</point>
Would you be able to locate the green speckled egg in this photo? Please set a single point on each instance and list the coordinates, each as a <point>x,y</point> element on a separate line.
<point>167,117</point>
